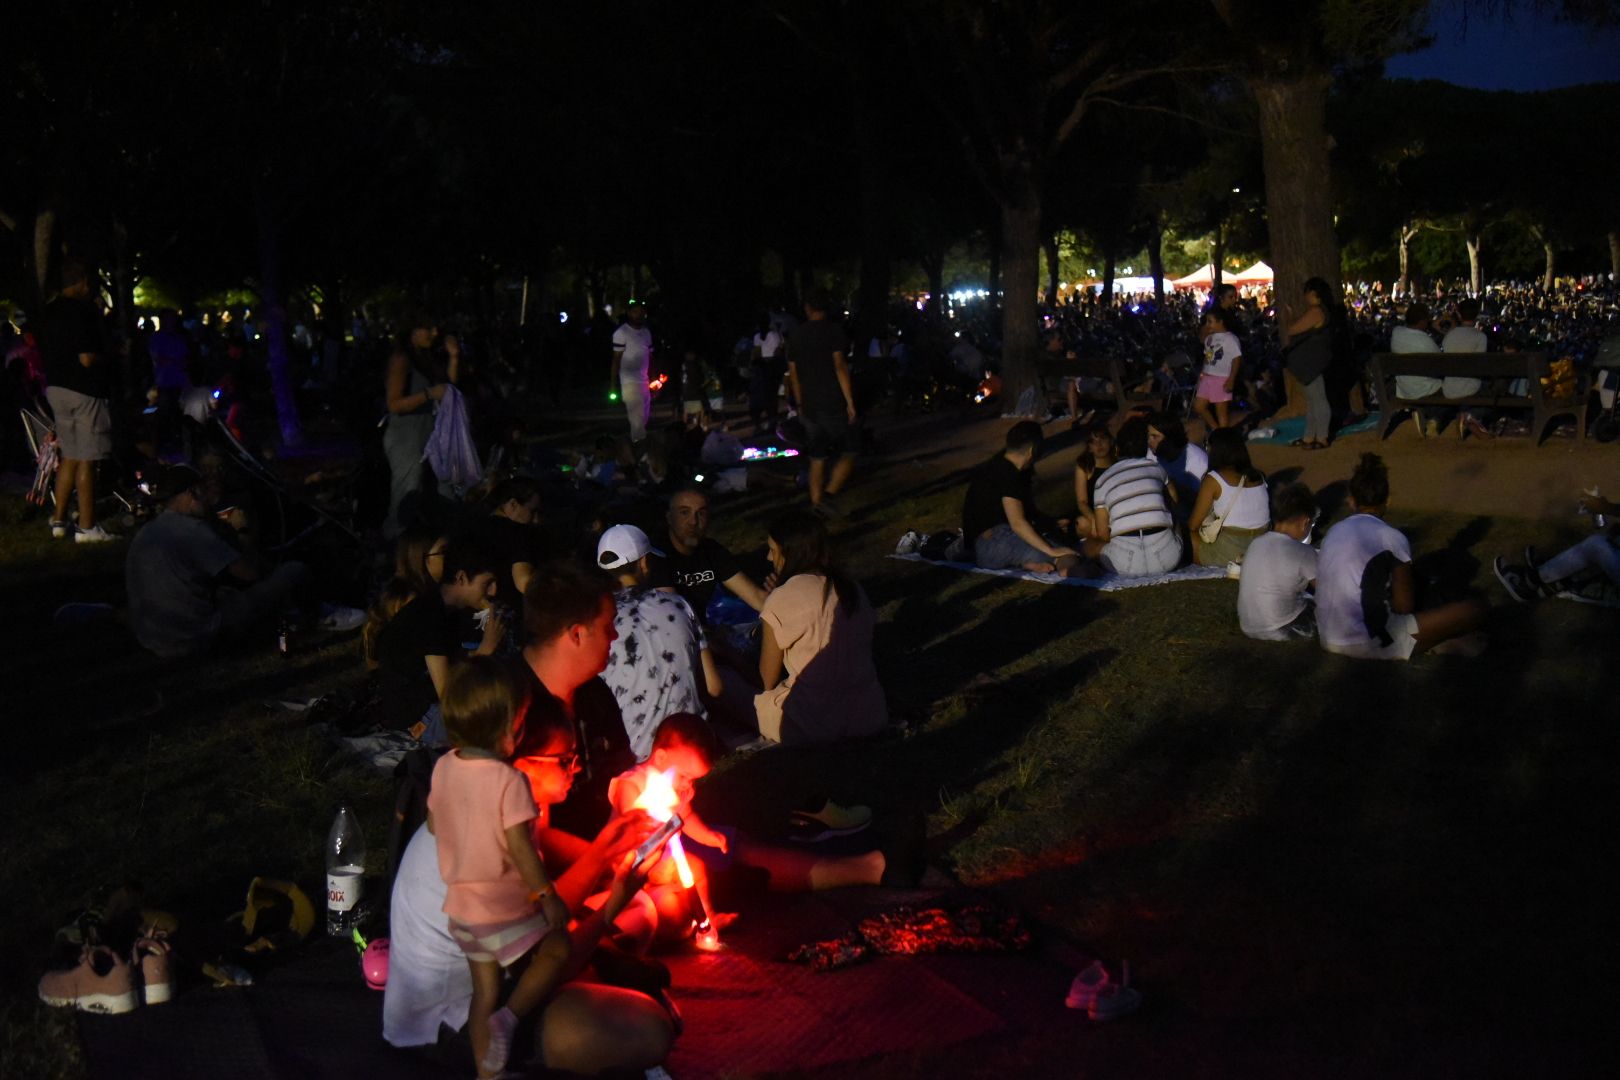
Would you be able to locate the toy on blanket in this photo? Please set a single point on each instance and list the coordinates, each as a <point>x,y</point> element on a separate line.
<point>767,453</point>
<point>906,931</point>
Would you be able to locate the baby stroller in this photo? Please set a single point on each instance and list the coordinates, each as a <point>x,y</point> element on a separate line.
<point>40,431</point>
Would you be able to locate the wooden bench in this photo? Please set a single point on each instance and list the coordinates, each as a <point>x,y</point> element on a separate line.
<point>1111,371</point>
<point>1499,370</point>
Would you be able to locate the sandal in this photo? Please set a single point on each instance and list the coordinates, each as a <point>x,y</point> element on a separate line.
<point>1301,443</point>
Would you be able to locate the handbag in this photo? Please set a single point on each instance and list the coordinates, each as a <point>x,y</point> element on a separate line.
<point>1211,526</point>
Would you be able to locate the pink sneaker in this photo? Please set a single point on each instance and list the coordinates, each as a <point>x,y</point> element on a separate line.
<point>151,955</point>
<point>102,983</point>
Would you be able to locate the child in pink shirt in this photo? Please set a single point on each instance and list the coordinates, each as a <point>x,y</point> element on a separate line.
<point>500,902</point>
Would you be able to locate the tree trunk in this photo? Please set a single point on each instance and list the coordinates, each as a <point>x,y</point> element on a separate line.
<point>275,318</point>
<point>124,306</point>
<point>1156,261</point>
<point>933,264</point>
<point>1050,246</point>
<point>1106,296</point>
<point>872,294</point>
<point>1299,207</point>
<point>1614,256</point>
<point>1021,257</point>
<point>1217,256</point>
<point>1552,260</point>
<point>1403,287</point>
<point>1475,276</point>
<point>44,233</point>
<point>994,284</point>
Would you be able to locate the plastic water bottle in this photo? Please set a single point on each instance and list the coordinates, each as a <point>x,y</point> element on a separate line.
<point>345,867</point>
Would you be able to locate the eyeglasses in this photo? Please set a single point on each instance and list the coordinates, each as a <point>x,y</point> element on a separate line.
<point>568,761</point>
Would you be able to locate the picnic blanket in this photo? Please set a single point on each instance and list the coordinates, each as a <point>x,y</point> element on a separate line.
<point>1103,583</point>
<point>1290,428</point>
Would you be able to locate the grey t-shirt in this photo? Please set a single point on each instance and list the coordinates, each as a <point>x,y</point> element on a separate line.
<point>1271,591</point>
<point>170,572</point>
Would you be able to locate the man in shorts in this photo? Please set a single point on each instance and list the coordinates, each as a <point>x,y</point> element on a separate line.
<point>818,365</point>
<point>80,387</point>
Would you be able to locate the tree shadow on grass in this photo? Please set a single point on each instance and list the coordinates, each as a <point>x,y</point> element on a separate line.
<point>1342,858</point>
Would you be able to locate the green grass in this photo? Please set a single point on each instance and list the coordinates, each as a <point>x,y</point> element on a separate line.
<point>1314,864</point>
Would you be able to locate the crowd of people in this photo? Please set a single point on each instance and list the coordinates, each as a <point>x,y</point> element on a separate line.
<point>558,674</point>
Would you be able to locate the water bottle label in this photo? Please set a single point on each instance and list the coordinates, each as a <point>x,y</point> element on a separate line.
<point>343,888</point>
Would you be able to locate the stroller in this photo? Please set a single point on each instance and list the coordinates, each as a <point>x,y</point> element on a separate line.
<point>40,431</point>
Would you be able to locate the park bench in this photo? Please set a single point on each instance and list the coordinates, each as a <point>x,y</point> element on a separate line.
<point>1498,370</point>
<point>1121,384</point>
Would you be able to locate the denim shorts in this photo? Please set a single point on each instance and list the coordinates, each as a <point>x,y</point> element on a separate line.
<point>1001,549</point>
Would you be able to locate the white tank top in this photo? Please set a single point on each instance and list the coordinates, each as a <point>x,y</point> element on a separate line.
<point>1250,505</point>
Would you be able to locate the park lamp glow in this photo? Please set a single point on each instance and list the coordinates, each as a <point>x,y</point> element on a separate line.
<point>658,798</point>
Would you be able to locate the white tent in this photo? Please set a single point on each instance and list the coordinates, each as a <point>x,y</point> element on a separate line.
<point>1202,278</point>
<point>1258,274</point>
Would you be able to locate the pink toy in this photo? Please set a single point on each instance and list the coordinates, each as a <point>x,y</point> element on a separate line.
<point>374,964</point>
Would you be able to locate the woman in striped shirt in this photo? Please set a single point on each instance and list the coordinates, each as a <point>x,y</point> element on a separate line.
<point>1134,532</point>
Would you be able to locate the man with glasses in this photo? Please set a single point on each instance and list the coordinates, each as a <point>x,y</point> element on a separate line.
<point>568,613</point>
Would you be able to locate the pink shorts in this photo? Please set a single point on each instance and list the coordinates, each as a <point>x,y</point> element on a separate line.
<point>502,943</point>
<point>1213,388</point>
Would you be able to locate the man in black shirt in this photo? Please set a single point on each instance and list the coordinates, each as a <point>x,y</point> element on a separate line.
<point>74,347</point>
<point>415,647</point>
<point>568,613</point>
<point>999,519</point>
<point>693,564</point>
<point>818,366</point>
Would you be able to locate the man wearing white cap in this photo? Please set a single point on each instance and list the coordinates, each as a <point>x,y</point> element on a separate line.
<point>654,664</point>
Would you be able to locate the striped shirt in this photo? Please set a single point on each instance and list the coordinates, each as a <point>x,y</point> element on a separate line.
<point>1132,491</point>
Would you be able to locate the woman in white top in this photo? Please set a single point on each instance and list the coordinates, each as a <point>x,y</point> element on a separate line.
<point>1233,492</point>
<point>764,377</point>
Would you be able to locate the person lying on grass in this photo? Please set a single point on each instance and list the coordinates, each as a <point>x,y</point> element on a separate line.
<point>1278,569</point>
<point>1000,524</point>
<point>1600,551</point>
<point>1366,597</point>
<point>498,896</point>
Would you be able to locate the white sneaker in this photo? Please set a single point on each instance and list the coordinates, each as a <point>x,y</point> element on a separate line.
<point>60,530</point>
<point>341,619</point>
<point>95,534</point>
<point>908,543</point>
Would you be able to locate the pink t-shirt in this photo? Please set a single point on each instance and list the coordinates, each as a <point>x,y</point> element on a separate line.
<point>473,802</point>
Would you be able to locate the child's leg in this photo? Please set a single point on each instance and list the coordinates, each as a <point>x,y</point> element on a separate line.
<point>1201,407</point>
<point>486,992</point>
<point>1222,411</point>
<point>545,972</point>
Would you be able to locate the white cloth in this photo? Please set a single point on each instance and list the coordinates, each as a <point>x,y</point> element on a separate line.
<point>1347,550</point>
<point>1220,350</point>
<point>1133,493</point>
<point>1246,507</point>
<point>429,983</point>
<point>1406,340</point>
<point>768,343</point>
<point>450,450</point>
<point>1277,569</point>
<point>637,343</point>
<point>1463,339</point>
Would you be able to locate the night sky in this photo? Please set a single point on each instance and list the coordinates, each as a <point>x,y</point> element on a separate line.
<point>1529,52</point>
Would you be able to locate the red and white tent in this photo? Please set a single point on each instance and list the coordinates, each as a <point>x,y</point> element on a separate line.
<point>1202,278</point>
<point>1258,274</point>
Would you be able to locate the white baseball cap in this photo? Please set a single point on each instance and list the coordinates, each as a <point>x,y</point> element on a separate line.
<point>622,545</point>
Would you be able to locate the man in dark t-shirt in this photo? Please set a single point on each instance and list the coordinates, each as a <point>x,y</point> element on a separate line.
<point>693,563</point>
<point>818,365</point>
<point>568,614</point>
<point>1000,524</point>
<point>74,348</point>
<point>416,646</point>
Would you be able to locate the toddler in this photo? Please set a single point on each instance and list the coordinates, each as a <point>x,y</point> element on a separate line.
<point>500,902</point>
<point>684,746</point>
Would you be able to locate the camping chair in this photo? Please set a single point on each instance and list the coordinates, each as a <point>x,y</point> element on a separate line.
<point>41,433</point>
<point>1181,385</point>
